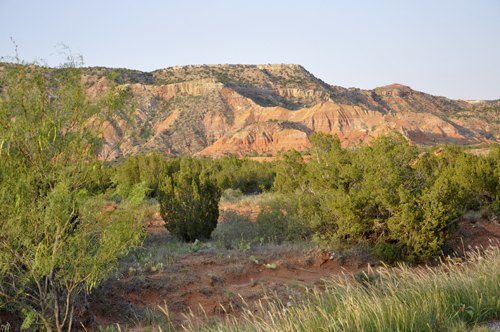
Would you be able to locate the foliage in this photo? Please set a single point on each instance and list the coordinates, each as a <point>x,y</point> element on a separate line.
<point>389,252</point>
<point>231,172</point>
<point>56,239</point>
<point>280,220</point>
<point>197,245</point>
<point>189,201</point>
<point>233,228</point>
<point>231,196</point>
<point>249,176</point>
<point>290,171</point>
<point>382,192</point>
<point>149,169</point>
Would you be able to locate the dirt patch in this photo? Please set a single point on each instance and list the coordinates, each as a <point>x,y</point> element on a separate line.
<point>477,236</point>
<point>201,286</point>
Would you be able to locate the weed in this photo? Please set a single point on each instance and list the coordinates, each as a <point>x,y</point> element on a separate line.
<point>243,245</point>
<point>169,317</point>
<point>197,245</point>
<point>169,260</point>
<point>228,294</point>
<point>292,283</point>
<point>473,216</point>
<point>142,256</point>
<point>365,278</point>
<point>231,196</point>
<point>112,328</point>
<point>238,270</point>
<point>246,201</point>
<point>205,291</point>
<point>234,228</point>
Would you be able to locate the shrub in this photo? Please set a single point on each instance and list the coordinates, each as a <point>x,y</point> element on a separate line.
<point>234,227</point>
<point>283,219</point>
<point>232,196</point>
<point>382,192</point>
<point>389,252</point>
<point>273,224</point>
<point>189,202</point>
<point>56,239</point>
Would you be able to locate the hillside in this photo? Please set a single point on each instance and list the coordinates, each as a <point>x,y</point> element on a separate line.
<point>234,109</point>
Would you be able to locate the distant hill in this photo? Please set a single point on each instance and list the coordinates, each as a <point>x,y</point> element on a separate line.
<point>234,109</point>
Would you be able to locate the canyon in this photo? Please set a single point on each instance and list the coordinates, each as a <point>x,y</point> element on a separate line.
<point>218,110</point>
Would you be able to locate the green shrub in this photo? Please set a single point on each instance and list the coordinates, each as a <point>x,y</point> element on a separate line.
<point>283,219</point>
<point>381,192</point>
<point>232,196</point>
<point>233,228</point>
<point>273,224</point>
<point>146,168</point>
<point>57,241</point>
<point>189,201</point>
<point>252,154</point>
<point>389,252</point>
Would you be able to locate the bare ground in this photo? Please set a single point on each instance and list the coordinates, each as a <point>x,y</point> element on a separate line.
<point>211,284</point>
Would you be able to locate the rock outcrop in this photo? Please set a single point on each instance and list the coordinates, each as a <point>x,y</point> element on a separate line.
<point>216,110</point>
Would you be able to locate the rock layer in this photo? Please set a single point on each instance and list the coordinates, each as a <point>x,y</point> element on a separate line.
<point>234,109</point>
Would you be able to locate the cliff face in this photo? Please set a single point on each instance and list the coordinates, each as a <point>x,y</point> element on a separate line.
<point>234,109</point>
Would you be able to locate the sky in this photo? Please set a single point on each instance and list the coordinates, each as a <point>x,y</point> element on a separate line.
<point>448,48</point>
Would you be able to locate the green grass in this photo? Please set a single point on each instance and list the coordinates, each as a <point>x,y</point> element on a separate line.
<point>455,297</point>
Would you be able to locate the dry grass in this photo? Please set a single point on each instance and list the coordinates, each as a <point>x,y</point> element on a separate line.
<point>454,297</point>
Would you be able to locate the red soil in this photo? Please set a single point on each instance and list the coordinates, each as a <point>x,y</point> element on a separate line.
<point>202,286</point>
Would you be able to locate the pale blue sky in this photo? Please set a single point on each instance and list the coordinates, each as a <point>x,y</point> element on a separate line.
<point>442,47</point>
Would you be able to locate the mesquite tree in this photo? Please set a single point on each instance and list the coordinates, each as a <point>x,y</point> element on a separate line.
<point>55,238</point>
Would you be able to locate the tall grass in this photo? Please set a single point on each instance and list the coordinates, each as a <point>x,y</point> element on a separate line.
<point>452,297</point>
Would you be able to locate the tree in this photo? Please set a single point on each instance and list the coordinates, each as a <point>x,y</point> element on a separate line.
<point>55,238</point>
<point>189,201</point>
<point>381,193</point>
<point>290,172</point>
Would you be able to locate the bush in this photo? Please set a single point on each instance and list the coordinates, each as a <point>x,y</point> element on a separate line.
<point>56,238</point>
<point>273,224</point>
<point>146,168</point>
<point>382,192</point>
<point>234,227</point>
<point>189,201</point>
<point>283,219</point>
<point>389,252</point>
<point>232,196</point>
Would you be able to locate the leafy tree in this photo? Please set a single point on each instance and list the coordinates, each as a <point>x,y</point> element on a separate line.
<point>189,201</point>
<point>55,238</point>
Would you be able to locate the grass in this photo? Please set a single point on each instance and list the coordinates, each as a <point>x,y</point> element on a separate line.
<point>454,297</point>
<point>231,195</point>
<point>472,216</point>
<point>254,200</point>
<point>234,228</point>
